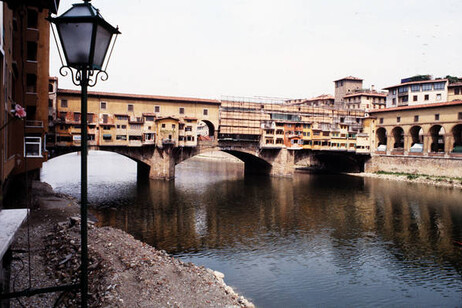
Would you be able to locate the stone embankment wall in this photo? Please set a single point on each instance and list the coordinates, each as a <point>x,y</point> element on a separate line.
<point>449,167</point>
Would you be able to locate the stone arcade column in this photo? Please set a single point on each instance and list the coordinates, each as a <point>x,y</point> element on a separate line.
<point>407,143</point>
<point>427,142</point>
<point>390,143</point>
<point>448,143</point>
<point>283,164</point>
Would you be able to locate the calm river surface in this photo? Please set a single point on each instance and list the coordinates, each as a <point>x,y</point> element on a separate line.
<point>314,240</point>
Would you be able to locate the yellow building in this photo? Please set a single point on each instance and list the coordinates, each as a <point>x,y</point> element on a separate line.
<point>134,120</point>
<point>429,130</point>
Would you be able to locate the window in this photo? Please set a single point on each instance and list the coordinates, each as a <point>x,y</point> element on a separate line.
<point>181,126</point>
<point>121,137</point>
<point>188,129</point>
<point>437,117</point>
<point>456,91</point>
<point>102,105</point>
<point>459,117</point>
<point>64,103</point>
<point>149,118</point>
<point>439,85</point>
<point>76,117</point>
<point>416,118</point>
<point>156,109</point>
<point>405,99</point>
<point>393,101</point>
<point>181,110</point>
<point>381,120</point>
<point>121,117</point>
<point>403,89</point>
<point>31,83</point>
<point>105,118</point>
<point>173,126</point>
<point>398,119</point>
<point>438,97</point>
<point>393,91</point>
<point>206,112</point>
<point>32,19</point>
<point>31,51</point>
<point>33,146</point>
<point>130,107</point>
<point>90,118</point>
<point>426,97</point>
<point>427,87</point>
<point>414,98</point>
<point>50,103</point>
<point>415,88</point>
<point>163,125</point>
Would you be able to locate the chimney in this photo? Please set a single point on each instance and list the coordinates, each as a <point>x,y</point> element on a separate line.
<point>372,88</point>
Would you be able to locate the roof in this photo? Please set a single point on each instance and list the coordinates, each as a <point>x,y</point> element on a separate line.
<point>424,106</point>
<point>141,97</point>
<point>416,82</point>
<point>321,97</point>
<point>349,78</point>
<point>365,93</point>
<point>166,118</point>
<point>455,84</point>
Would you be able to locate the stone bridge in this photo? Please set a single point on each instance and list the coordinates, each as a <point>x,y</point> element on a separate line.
<point>159,163</point>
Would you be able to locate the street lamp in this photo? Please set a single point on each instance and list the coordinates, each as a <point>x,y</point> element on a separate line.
<point>85,40</point>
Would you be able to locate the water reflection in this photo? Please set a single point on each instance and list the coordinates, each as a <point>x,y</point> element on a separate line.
<point>312,240</point>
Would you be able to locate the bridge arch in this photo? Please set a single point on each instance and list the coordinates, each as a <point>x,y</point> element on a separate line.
<point>398,137</point>
<point>457,137</point>
<point>210,129</point>
<point>381,136</point>
<point>437,138</point>
<point>143,166</point>
<point>417,134</point>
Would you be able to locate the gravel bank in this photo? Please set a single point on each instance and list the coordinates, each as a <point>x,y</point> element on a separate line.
<point>423,179</point>
<point>123,272</point>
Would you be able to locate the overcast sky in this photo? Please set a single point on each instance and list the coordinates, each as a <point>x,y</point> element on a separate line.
<point>289,48</point>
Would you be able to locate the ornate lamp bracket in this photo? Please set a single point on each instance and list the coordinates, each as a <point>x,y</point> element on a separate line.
<point>76,75</point>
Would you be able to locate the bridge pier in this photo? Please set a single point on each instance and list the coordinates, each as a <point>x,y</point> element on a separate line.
<point>162,165</point>
<point>283,164</point>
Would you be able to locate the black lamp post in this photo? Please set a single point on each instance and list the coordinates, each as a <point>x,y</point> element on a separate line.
<point>85,40</point>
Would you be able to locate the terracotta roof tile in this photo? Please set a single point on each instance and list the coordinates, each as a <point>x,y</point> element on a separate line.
<point>141,96</point>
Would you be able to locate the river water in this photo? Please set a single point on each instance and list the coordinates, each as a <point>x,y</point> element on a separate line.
<point>314,240</point>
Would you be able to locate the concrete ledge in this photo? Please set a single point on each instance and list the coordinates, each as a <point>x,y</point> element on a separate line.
<point>10,222</point>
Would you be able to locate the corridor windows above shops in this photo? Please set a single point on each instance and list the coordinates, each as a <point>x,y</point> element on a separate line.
<point>102,105</point>
<point>459,117</point>
<point>181,110</point>
<point>437,117</point>
<point>156,109</point>
<point>426,97</point>
<point>130,107</point>
<point>33,146</point>
<point>381,121</point>
<point>438,97</point>
<point>64,103</point>
<point>206,112</point>
<point>416,118</point>
<point>398,119</point>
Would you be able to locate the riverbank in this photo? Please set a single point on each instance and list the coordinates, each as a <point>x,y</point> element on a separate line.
<point>414,178</point>
<point>123,271</point>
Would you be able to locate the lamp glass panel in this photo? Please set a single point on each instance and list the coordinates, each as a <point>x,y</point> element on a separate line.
<point>102,41</point>
<point>79,10</point>
<point>76,40</point>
